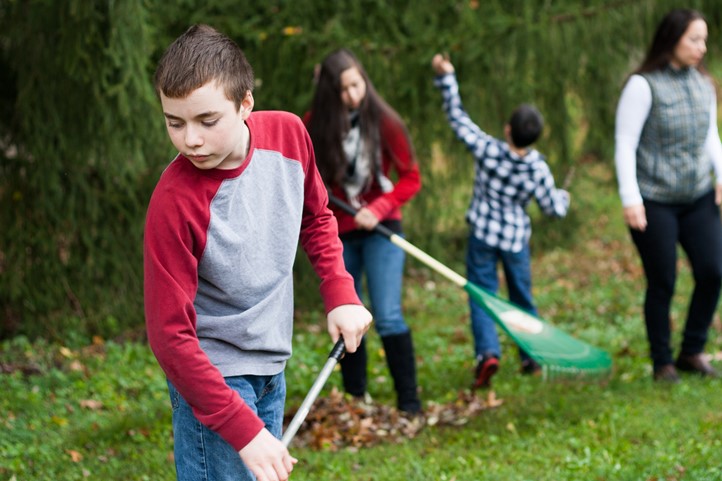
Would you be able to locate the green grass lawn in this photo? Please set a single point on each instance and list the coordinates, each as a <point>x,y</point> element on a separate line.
<point>101,411</point>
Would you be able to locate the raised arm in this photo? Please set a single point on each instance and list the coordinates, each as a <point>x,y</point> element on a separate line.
<point>465,129</point>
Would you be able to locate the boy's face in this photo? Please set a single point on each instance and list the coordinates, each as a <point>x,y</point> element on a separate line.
<point>206,127</point>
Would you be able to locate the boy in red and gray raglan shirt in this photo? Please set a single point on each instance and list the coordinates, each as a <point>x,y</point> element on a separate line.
<point>222,230</point>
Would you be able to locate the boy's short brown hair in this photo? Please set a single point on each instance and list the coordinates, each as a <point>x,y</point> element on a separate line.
<point>201,55</point>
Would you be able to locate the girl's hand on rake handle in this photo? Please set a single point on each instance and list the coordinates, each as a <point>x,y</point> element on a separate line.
<point>365,219</point>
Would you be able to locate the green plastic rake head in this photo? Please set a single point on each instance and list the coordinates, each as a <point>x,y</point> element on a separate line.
<point>559,354</point>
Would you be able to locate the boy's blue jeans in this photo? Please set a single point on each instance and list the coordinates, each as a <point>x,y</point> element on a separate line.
<point>201,454</point>
<point>383,264</point>
<point>481,262</point>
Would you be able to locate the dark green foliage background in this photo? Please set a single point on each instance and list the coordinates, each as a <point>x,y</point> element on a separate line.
<point>83,140</point>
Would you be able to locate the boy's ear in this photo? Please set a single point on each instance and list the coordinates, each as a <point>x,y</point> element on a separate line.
<point>507,133</point>
<point>247,105</point>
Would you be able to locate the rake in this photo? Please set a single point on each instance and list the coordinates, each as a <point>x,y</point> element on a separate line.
<point>559,354</point>
<point>334,356</point>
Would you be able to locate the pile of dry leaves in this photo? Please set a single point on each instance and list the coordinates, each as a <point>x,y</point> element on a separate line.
<point>337,421</point>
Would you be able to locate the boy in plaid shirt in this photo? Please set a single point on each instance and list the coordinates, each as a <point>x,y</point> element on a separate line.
<point>509,173</point>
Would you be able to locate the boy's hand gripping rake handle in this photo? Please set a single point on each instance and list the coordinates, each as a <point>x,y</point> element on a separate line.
<point>336,353</point>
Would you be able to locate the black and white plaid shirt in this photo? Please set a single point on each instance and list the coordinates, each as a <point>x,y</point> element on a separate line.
<point>504,183</point>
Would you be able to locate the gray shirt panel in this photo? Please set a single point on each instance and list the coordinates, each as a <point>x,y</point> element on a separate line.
<point>244,301</point>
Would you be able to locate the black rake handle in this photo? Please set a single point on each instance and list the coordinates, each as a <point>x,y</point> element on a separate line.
<point>382,229</point>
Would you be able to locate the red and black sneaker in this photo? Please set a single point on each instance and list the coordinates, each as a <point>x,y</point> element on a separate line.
<point>485,369</point>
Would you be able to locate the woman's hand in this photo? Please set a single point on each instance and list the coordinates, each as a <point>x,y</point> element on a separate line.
<point>718,194</point>
<point>636,217</point>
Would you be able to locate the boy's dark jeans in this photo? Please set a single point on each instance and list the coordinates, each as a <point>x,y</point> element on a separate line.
<point>697,228</point>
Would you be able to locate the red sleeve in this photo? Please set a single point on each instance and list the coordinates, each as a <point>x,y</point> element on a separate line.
<point>173,240</point>
<point>319,238</point>
<point>397,153</point>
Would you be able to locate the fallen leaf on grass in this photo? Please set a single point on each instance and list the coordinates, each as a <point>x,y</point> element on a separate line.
<point>59,421</point>
<point>65,352</point>
<point>91,404</point>
<point>337,421</point>
<point>76,366</point>
<point>75,456</point>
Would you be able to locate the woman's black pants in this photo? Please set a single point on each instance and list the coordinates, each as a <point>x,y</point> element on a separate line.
<point>697,228</point>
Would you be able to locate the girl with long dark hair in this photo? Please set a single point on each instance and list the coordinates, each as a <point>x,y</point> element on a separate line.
<point>361,144</point>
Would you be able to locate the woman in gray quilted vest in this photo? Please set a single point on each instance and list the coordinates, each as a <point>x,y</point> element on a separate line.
<point>668,155</point>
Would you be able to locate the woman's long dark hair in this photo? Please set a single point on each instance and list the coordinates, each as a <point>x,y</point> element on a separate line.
<point>329,121</point>
<point>669,31</point>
